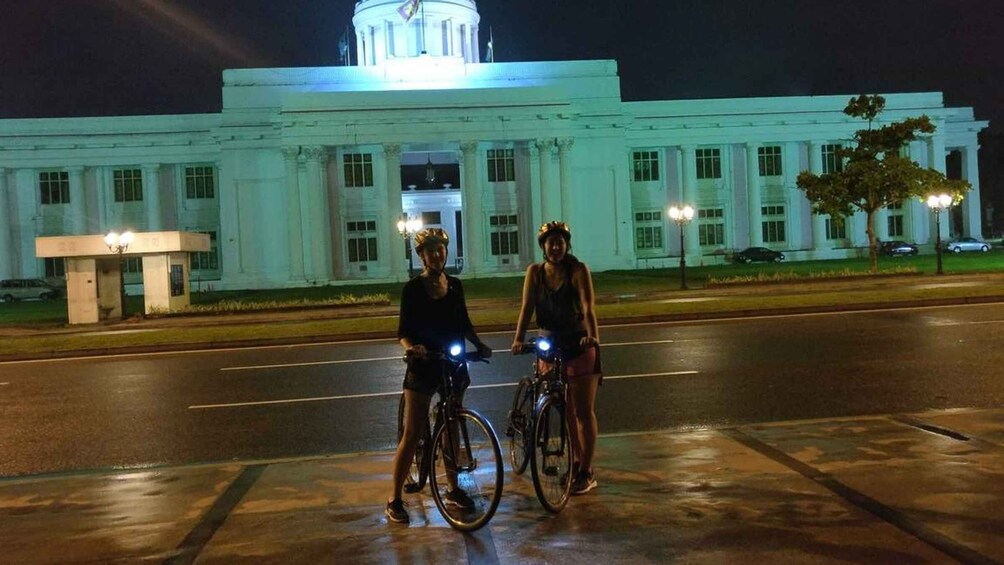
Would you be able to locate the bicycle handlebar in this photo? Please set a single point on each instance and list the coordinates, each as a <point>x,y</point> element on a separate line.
<point>408,357</point>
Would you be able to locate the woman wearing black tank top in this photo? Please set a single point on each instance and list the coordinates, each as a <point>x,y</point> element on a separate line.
<point>560,291</point>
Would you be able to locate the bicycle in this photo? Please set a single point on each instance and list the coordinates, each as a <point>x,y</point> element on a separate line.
<point>459,449</point>
<point>538,413</point>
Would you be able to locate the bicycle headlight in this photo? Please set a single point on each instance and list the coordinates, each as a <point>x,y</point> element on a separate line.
<point>456,349</point>
<point>543,345</point>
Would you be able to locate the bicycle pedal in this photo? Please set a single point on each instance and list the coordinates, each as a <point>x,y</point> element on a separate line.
<point>411,488</point>
<point>551,471</point>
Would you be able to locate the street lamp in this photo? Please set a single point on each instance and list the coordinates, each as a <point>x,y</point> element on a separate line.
<point>937,203</point>
<point>407,227</point>
<point>682,216</point>
<point>118,243</point>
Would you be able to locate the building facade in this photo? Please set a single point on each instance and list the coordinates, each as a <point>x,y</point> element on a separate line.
<point>302,178</point>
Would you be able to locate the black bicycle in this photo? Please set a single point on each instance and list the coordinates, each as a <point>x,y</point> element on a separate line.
<point>459,450</point>
<point>538,428</point>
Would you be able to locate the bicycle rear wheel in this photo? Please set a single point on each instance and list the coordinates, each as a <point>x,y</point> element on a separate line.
<point>551,464</point>
<point>520,424</point>
<point>469,450</point>
<point>417,473</point>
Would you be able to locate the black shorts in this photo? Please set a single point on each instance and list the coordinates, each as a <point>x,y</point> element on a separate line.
<point>425,377</point>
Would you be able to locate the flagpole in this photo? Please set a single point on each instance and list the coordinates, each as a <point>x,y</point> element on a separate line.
<point>422,4</point>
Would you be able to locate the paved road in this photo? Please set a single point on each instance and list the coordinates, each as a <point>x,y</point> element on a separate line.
<point>142,410</point>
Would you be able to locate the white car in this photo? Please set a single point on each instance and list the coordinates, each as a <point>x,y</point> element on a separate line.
<point>967,244</point>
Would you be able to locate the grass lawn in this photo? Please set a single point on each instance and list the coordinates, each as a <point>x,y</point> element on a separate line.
<point>614,283</point>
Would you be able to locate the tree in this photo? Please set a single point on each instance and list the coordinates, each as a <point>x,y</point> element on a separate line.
<point>875,173</point>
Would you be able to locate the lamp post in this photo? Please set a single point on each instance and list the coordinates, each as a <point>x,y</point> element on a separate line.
<point>682,216</point>
<point>937,203</point>
<point>407,227</point>
<point>118,243</point>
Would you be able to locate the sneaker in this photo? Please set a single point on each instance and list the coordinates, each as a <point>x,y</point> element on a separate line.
<point>395,511</point>
<point>458,497</point>
<point>583,483</point>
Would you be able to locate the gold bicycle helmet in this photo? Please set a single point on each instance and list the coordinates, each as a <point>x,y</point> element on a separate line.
<point>554,226</point>
<point>431,235</point>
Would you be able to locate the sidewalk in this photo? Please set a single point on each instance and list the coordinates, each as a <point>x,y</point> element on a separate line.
<point>924,488</point>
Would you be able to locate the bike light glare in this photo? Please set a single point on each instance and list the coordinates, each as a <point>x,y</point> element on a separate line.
<point>456,349</point>
<point>543,345</point>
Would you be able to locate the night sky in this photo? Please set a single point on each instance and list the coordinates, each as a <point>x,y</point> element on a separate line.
<point>119,57</point>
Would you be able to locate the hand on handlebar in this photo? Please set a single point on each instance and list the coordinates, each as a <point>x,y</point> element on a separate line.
<point>484,351</point>
<point>416,351</point>
<point>588,341</point>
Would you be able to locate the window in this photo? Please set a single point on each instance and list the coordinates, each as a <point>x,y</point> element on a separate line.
<point>501,165</point>
<point>206,260</point>
<point>711,226</point>
<point>770,161</point>
<point>55,267</point>
<point>134,265</point>
<point>645,165</point>
<point>833,231</point>
<point>648,230</point>
<point>832,163</point>
<point>709,164</point>
<point>200,182</point>
<point>432,219</point>
<point>772,224</point>
<point>362,240</point>
<point>54,187</point>
<point>895,225</point>
<point>128,185</point>
<point>177,280</point>
<point>504,234</point>
<point>358,169</point>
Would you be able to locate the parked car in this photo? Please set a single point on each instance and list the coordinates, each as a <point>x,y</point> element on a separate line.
<point>751,254</point>
<point>967,244</point>
<point>22,289</point>
<point>897,248</point>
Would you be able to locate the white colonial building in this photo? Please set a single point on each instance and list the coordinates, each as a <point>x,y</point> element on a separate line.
<point>303,176</point>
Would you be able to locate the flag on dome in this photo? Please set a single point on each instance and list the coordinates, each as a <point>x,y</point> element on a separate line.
<point>409,9</point>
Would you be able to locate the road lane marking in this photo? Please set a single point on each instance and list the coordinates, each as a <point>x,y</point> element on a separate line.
<point>398,357</point>
<point>398,392</point>
<point>308,364</point>
<point>4,384</point>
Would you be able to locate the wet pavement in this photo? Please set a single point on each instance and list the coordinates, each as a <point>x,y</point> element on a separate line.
<point>920,488</point>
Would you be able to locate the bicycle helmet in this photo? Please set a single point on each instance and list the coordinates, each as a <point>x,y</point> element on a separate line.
<point>431,235</point>
<point>554,226</point>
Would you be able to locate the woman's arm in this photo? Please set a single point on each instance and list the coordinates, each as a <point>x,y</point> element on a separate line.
<point>526,309</point>
<point>583,281</point>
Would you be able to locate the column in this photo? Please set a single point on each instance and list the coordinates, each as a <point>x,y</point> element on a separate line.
<point>936,161</point>
<point>320,220</point>
<point>565,172</point>
<point>291,157</point>
<point>882,225</point>
<point>819,240</point>
<point>398,263</point>
<point>793,196</point>
<point>6,220</point>
<point>754,199</point>
<point>77,224</point>
<point>536,205</point>
<point>971,213</point>
<point>549,208</point>
<point>151,196</point>
<point>360,56</point>
<point>689,196</point>
<point>472,206</point>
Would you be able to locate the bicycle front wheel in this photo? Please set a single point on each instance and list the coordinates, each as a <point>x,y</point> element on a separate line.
<point>466,457</point>
<point>520,424</point>
<point>551,463</point>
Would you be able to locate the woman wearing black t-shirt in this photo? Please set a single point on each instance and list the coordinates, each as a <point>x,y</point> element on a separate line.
<point>433,317</point>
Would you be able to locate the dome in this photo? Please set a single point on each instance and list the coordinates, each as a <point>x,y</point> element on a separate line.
<point>399,29</point>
